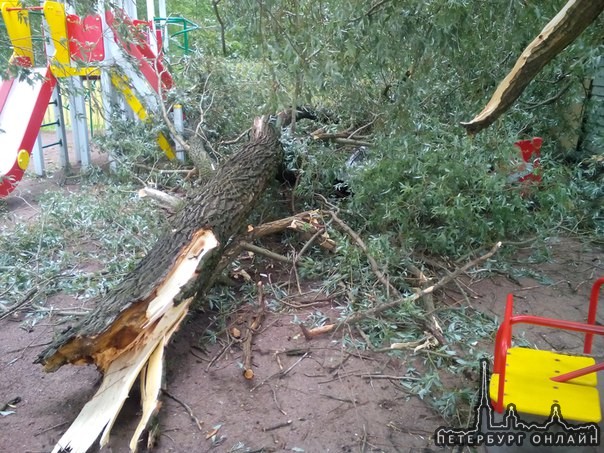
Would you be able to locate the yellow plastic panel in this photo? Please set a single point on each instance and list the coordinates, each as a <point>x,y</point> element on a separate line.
<point>529,387</point>
<point>121,84</point>
<point>19,32</point>
<point>54,13</point>
<point>166,147</point>
<point>71,71</point>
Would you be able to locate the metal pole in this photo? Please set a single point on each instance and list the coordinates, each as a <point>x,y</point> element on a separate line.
<point>61,135</point>
<point>164,25</point>
<point>130,8</point>
<point>78,121</point>
<point>38,154</point>
<point>150,17</point>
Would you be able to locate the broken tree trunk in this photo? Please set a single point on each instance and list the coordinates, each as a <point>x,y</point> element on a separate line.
<point>125,334</point>
<point>562,30</point>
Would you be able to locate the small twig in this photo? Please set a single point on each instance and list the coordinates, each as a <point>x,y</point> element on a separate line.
<point>356,131</point>
<point>382,376</point>
<point>58,425</point>
<point>284,373</point>
<point>280,425</point>
<point>219,355</point>
<point>366,338</point>
<point>550,100</point>
<point>203,359</point>
<point>164,170</point>
<point>20,304</point>
<point>59,312</point>
<point>12,351</point>
<point>343,400</point>
<point>305,304</point>
<point>295,271</point>
<point>352,319</point>
<point>431,321</point>
<point>236,140</point>
<point>374,266</point>
<point>280,374</point>
<point>319,232</point>
<point>277,402</point>
<point>264,252</point>
<point>348,141</point>
<point>248,372</point>
<point>187,408</point>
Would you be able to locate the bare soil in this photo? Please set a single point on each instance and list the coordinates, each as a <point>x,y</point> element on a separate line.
<point>325,402</point>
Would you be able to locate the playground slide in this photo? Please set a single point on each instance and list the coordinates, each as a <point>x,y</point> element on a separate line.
<point>22,107</point>
<point>143,81</point>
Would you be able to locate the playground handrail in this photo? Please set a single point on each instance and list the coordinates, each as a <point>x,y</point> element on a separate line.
<point>503,339</point>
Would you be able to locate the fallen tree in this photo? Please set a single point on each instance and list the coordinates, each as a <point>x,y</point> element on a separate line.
<point>125,334</point>
<point>562,30</point>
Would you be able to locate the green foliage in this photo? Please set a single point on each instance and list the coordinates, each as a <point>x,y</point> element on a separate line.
<point>99,224</point>
<point>407,71</point>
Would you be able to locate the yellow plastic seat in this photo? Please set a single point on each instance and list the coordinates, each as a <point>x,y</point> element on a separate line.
<point>529,387</point>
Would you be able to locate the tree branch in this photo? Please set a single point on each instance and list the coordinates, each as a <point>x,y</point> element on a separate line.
<point>562,30</point>
<point>429,290</point>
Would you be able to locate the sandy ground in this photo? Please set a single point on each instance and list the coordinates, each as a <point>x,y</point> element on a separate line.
<point>325,403</point>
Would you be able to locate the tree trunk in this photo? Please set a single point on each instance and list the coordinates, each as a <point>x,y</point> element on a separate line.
<point>562,30</point>
<point>125,335</point>
<point>221,206</point>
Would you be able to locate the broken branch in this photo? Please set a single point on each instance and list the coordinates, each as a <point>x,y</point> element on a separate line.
<point>248,372</point>
<point>374,266</point>
<point>562,30</point>
<point>264,252</point>
<point>352,319</point>
<point>164,199</point>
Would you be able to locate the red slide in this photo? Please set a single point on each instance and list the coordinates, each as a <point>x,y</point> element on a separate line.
<point>22,107</point>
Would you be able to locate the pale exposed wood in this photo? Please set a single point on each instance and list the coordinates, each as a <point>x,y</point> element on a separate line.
<point>307,223</point>
<point>562,30</point>
<point>99,414</point>
<point>150,384</point>
<point>149,331</point>
<point>309,334</point>
<point>162,198</point>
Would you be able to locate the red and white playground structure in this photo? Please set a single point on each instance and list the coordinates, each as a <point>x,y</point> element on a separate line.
<point>75,48</point>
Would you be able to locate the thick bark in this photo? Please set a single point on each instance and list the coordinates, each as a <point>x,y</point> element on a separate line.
<point>221,206</point>
<point>562,30</point>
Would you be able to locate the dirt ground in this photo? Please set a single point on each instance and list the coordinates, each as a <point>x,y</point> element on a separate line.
<point>306,396</point>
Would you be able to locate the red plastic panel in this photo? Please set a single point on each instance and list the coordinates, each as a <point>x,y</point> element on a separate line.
<point>141,51</point>
<point>85,38</point>
<point>531,155</point>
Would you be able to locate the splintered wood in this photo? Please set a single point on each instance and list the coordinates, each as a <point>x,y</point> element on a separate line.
<point>307,223</point>
<point>143,356</point>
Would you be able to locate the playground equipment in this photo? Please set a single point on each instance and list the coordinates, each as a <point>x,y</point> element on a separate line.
<point>534,380</point>
<point>77,47</point>
<point>528,171</point>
